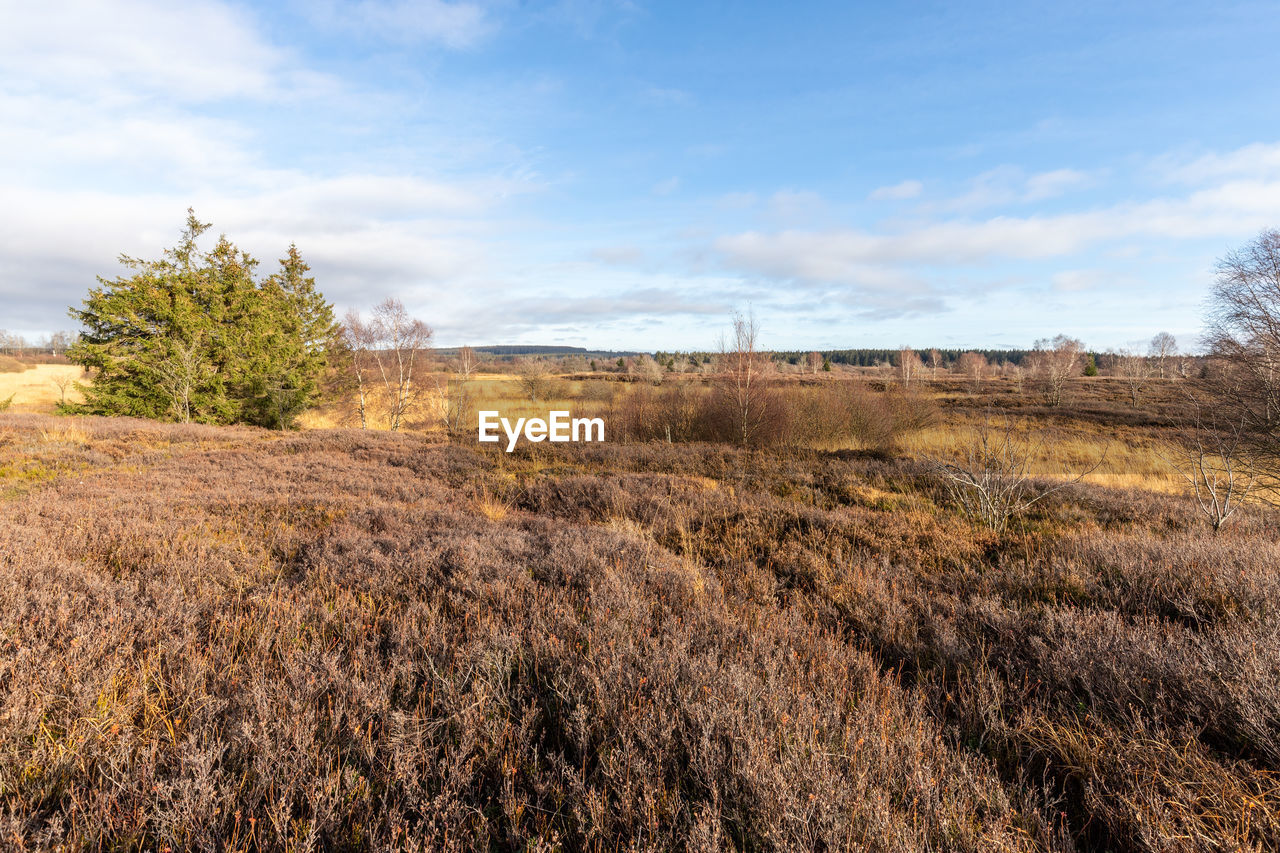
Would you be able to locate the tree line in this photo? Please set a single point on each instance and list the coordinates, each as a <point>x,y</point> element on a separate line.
<point>201,335</point>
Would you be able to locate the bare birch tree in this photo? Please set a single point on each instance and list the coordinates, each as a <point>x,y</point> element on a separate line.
<point>1243,336</point>
<point>935,362</point>
<point>744,367</point>
<point>1054,364</point>
<point>454,388</point>
<point>909,366</point>
<point>1164,346</point>
<point>359,339</point>
<point>973,367</point>
<point>1134,371</point>
<point>385,352</point>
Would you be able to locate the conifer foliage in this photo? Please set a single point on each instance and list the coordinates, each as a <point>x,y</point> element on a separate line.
<point>197,336</point>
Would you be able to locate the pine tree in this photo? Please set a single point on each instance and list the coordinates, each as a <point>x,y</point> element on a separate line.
<point>196,337</point>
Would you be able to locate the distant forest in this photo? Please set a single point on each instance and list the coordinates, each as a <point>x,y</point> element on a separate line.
<point>873,357</point>
<point>523,349</point>
<point>853,357</point>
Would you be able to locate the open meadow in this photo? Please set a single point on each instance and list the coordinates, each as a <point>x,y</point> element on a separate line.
<point>242,639</point>
<point>38,388</point>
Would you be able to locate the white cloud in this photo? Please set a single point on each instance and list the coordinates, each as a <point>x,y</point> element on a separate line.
<point>1259,160</point>
<point>190,52</point>
<point>667,186</point>
<point>1053,184</point>
<point>1010,185</point>
<point>878,262</point>
<point>114,118</point>
<point>796,204</point>
<point>897,192</point>
<point>620,255</point>
<point>1075,281</point>
<point>739,200</point>
<point>455,25</point>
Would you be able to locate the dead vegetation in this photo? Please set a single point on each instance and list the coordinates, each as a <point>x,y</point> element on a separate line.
<point>218,638</point>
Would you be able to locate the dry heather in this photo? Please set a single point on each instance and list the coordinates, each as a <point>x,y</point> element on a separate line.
<point>231,639</point>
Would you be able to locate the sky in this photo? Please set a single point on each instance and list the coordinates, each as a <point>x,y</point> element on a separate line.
<point>626,175</point>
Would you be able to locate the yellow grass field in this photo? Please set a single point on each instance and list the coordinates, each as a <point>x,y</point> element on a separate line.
<point>1124,458</point>
<point>1134,459</point>
<point>36,388</point>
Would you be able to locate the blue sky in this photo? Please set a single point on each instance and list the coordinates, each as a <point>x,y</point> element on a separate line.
<point>627,174</point>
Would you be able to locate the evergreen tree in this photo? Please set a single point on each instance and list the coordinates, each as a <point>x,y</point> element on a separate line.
<point>196,337</point>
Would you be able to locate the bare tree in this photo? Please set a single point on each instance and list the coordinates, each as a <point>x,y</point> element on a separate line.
<point>991,480</point>
<point>60,342</point>
<point>648,369</point>
<point>467,364</point>
<point>181,374</point>
<point>1163,346</point>
<point>1054,363</point>
<point>935,362</point>
<point>973,367</point>
<point>1018,374</point>
<point>385,352</point>
<point>1132,369</point>
<point>744,367</point>
<point>1212,453</point>
<point>814,361</point>
<point>909,366</point>
<point>534,377</point>
<point>360,340</point>
<point>455,389</point>
<point>1242,371</point>
<point>62,382</point>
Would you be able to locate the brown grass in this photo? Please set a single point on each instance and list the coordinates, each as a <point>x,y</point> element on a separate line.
<point>234,639</point>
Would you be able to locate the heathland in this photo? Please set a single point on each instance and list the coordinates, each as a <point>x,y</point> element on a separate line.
<point>235,638</point>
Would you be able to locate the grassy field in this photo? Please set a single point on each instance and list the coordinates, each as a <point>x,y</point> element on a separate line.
<point>226,638</point>
<point>36,388</point>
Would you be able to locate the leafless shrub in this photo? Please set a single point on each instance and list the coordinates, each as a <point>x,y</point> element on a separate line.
<point>1212,454</point>
<point>346,639</point>
<point>648,369</point>
<point>991,480</point>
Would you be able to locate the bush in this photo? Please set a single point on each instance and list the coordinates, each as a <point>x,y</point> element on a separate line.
<point>788,414</point>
